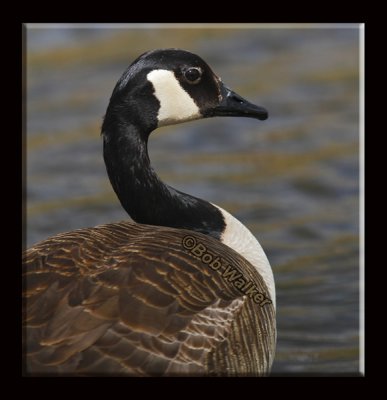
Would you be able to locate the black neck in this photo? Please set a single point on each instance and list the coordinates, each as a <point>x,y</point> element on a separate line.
<point>143,195</point>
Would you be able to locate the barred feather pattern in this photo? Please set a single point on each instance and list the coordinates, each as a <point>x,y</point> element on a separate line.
<point>130,299</point>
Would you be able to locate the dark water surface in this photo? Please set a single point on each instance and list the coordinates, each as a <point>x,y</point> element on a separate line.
<point>293,179</point>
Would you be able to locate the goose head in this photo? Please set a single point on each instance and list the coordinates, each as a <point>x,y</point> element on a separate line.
<point>170,86</point>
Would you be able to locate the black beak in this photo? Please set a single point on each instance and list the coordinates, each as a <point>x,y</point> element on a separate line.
<point>233,105</point>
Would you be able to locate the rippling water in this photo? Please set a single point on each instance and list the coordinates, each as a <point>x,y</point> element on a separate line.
<point>292,179</point>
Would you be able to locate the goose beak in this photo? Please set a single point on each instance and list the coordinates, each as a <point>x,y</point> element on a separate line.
<point>233,105</point>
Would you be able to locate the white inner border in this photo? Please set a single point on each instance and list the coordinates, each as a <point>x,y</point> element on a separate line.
<point>195,25</point>
<point>360,26</point>
<point>361,195</point>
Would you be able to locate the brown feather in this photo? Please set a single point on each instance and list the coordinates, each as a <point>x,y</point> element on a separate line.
<point>129,299</point>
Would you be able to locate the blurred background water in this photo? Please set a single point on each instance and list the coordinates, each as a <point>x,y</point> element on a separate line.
<point>293,179</point>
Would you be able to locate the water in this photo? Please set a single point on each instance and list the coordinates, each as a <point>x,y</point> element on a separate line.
<point>293,179</point>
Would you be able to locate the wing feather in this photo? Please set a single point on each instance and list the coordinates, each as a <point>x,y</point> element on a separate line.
<point>113,300</point>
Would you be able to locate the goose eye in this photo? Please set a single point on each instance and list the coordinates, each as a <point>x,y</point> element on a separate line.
<point>193,75</point>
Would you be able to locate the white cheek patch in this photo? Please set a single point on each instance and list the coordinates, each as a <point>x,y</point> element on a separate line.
<point>176,105</point>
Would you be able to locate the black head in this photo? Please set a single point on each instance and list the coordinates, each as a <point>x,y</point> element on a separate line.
<point>164,87</point>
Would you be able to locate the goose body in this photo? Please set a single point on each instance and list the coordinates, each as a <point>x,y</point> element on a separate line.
<point>186,289</point>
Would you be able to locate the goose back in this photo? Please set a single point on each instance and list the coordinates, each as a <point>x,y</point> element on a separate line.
<point>131,299</point>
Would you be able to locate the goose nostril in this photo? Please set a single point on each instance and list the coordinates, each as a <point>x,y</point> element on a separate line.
<point>236,97</point>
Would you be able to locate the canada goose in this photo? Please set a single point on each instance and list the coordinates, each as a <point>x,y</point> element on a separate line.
<point>187,289</point>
